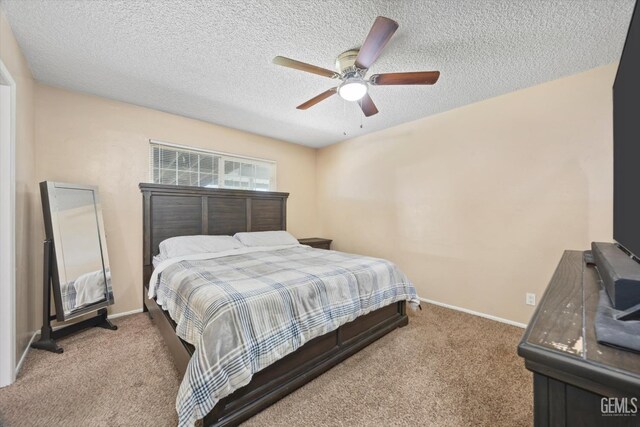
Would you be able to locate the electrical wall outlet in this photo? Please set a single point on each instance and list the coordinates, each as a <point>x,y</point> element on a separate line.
<point>531,299</point>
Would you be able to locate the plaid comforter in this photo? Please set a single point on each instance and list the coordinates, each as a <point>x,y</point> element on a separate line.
<point>244,312</point>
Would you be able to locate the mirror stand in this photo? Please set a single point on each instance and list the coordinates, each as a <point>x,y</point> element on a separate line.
<point>48,336</point>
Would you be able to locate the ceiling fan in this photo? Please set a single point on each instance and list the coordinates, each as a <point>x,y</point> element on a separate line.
<point>353,65</point>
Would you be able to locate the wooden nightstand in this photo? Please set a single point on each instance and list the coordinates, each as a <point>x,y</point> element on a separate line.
<point>316,242</point>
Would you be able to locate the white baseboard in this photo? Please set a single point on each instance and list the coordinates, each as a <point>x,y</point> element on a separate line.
<point>126,313</point>
<point>475,313</point>
<point>24,353</point>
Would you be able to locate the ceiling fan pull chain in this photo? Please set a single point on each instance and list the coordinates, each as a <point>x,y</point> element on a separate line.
<point>344,114</point>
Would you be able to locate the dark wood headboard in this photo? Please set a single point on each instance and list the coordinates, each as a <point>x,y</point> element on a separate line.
<point>177,210</point>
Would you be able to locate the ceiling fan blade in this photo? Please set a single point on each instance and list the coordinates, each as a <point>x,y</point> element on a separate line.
<point>313,101</point>
<point>367,105</point>
<point>412,78</point>
<point>292,63</point>
<point>380,33</point>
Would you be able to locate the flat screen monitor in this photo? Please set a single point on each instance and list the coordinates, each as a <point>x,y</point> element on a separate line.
<point>626,142</point>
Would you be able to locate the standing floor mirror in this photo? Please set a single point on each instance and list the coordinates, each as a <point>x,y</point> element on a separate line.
<point>76,263</point>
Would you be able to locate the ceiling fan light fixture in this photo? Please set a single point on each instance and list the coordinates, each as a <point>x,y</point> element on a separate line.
<point>353,89</point>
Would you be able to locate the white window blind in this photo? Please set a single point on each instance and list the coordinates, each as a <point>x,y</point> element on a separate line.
<point>177,165</point>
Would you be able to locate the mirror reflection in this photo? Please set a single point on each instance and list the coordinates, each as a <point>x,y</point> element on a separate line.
<point>85,281</point>
<point>83,270</point>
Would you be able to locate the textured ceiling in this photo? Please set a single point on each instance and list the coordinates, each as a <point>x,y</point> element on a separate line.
<point>211,60</point>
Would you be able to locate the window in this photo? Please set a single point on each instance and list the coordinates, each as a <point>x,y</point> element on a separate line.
<point>171,164</point>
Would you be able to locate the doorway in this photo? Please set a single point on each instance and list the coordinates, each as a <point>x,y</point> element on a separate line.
<point>7,227</point>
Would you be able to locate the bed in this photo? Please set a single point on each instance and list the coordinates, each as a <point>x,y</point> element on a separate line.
<point>170,211</point>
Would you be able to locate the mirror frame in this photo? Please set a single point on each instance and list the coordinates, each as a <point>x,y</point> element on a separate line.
<point>53,233</point>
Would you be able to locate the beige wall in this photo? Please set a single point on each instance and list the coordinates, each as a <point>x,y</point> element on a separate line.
<point>90,140</point>
<point>477,204</point>
<point>28,290</point>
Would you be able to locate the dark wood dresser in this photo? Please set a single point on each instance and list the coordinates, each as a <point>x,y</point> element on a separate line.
<point>572,373</point>
<point>316,242</point>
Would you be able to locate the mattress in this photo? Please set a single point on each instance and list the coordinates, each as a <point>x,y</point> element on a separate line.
<point>245,309</point>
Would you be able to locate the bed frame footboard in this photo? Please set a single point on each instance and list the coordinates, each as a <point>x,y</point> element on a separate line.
<point>288,374</point>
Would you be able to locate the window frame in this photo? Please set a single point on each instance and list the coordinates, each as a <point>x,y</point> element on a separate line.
<point>221,158</point>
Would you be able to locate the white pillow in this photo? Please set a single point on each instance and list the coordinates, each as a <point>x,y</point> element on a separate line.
<point>266,238</point>
<point>188,245</point>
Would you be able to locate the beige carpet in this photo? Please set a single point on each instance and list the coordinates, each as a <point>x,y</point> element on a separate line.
<point>445,369</point>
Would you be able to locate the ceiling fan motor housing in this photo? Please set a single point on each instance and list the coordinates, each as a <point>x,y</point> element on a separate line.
<point>345,62</point>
